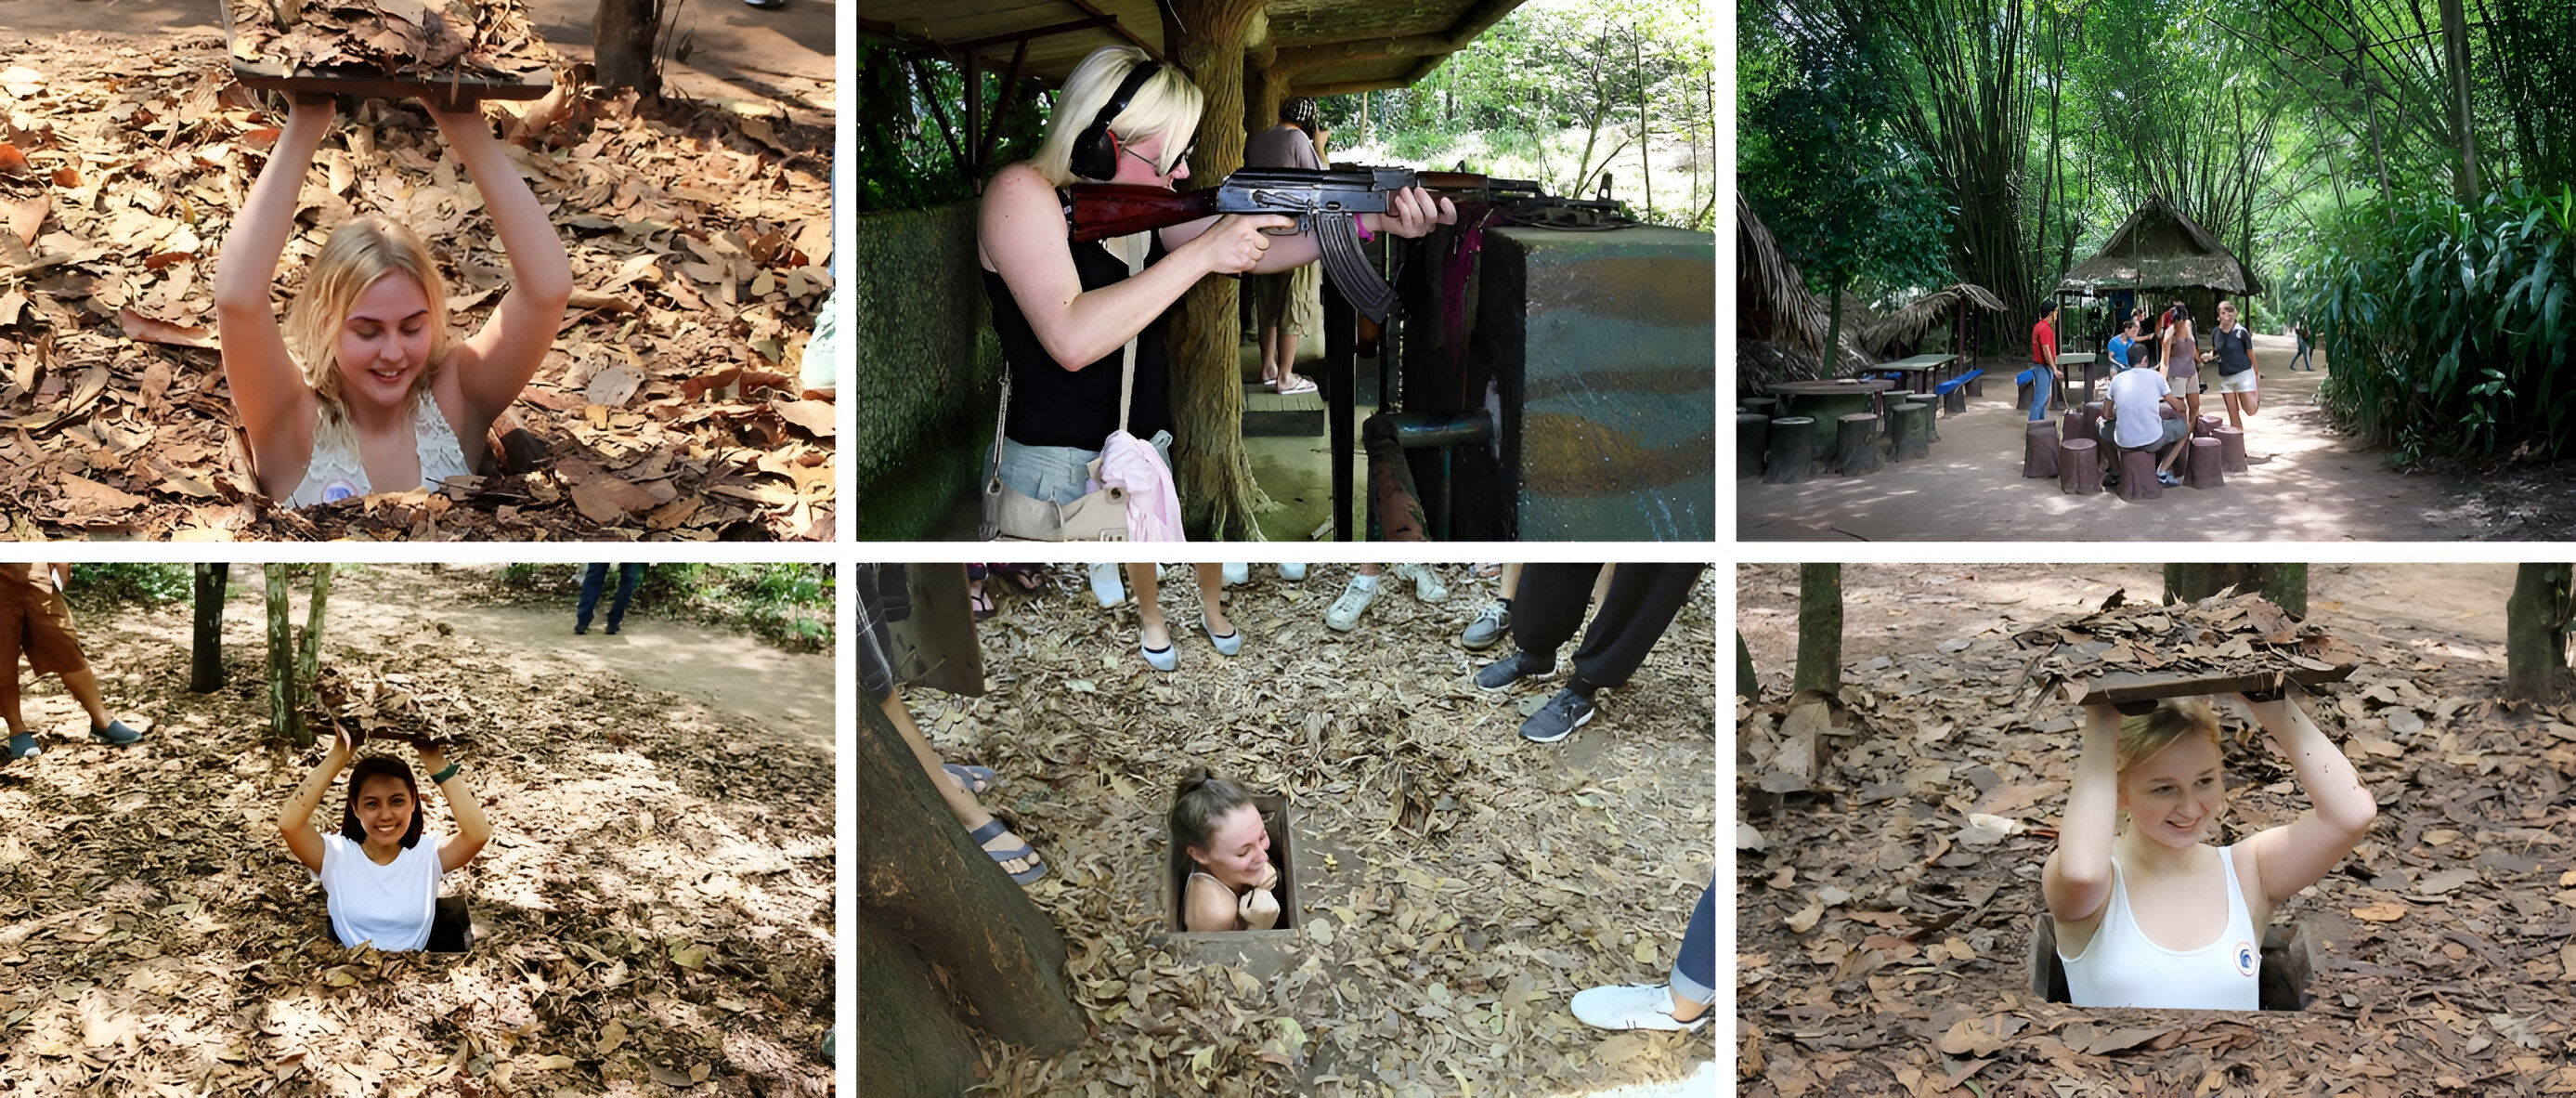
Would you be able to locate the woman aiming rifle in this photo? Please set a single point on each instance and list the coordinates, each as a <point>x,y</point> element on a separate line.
<point>1064,313</point>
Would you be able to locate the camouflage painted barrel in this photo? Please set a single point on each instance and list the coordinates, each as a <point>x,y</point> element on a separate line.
<point>1601,345</point>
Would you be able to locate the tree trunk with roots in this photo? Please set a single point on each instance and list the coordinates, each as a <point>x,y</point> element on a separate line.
<point>1218,495</point>
<point>285,721</point>
<point>2536,617</point>
<point>622,35</point>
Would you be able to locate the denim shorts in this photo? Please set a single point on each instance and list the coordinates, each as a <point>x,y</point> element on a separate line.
<point>1060,474</point>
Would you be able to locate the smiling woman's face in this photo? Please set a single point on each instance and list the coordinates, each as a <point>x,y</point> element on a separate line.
<point>1238,851</point>
<point>384,809</point>
<point>383,344</point>
<point>2175,795</point>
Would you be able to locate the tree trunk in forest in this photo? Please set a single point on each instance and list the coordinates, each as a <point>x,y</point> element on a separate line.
<point>2536,617</point>
<point>284,720</point>
<point>308,655</point>
<point>1645,134</point>
<point>925,882</point>
<point>909,1035</point>
<point>1833,356</point>
<point>1820,629</point>
<point>1746,685</point>
<point>206,652</point>
<point>1218,496</point>
<point>622,35</point>
<point>2464,120</point>
<point>2284,585</point>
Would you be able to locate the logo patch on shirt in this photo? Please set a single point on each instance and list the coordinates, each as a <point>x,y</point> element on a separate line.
<point>2247,960</point>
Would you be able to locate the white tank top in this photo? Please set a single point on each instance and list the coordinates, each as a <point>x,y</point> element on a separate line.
<point>390,905</point>
<point>336,472</point>
<point>2120,967</point>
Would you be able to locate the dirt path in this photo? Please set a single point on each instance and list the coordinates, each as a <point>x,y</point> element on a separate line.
<point>2306,483</point>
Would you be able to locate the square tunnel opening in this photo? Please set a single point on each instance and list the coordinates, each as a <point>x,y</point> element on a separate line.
<point>2289,960</point>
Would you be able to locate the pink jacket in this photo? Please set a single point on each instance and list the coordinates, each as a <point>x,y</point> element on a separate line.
<point>1153,505</point>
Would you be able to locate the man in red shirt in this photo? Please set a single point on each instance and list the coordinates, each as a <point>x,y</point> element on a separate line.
<point>2043,355</point>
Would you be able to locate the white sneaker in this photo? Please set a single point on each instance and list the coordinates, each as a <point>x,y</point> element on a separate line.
<point>1636,1006</point>
<point>1346,610</point>
<point>1293,572</point>
<point>1426,585</point>
<point>1106,586</point>
<point>1237,575</point>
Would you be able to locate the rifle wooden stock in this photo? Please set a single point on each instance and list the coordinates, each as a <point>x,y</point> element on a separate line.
<point>1099,211</point>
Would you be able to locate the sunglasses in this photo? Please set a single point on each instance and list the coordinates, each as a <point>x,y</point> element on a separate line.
<point>1159,169</point>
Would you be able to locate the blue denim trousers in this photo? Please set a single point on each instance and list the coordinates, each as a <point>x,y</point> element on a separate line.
<point>593,580</point>
<point>1695,971</point>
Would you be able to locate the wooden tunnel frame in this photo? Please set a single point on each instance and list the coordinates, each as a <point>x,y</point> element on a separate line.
<point>1279,818</point>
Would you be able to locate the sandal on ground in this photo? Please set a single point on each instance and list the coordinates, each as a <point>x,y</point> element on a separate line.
<point>982,601</point>
<point>974,779</point>
<point>993,829</point>
<point>1294,388</point>
<point>117,733</point>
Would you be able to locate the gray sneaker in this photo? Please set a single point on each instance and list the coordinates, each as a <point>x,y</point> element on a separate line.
<point>1346,610</point>
<point>1559,718</point>
<point>1492,623</point>
<point>1502,673</point>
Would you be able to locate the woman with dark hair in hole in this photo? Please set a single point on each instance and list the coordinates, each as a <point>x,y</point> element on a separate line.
<point>380,879</point>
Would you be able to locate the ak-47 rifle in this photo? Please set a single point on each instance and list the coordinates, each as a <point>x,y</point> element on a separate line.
<point>1323,202</point>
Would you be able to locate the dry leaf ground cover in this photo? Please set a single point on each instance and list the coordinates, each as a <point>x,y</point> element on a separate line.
<point>671,406</point>
<point>1438,953</point>
<point>1881,937</point>
<point>655,907</point>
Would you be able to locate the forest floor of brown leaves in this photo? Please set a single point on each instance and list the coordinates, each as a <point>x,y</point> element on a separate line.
<point>671,406</point>
<point>1881,940</point>
<point>653,916</point>
<point>1435,958</point>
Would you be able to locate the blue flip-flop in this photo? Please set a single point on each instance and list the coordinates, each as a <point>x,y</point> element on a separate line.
<point>993,829</point>
<point>976,779</point>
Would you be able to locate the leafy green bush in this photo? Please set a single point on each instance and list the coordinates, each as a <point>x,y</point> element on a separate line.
<point>789,605</point>
<point>2447,328</point>
<point>144,583</point>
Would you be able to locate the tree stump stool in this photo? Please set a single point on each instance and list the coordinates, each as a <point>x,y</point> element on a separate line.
<point>2138,475</point>
<point>1956,400</point>
<point>2232,441</point>
<point>2079,467</point>
<point>2200,428</point>
<point>1856,444</point>
<point>2039,450</point>
<point>2201,464</point>
<point>1793,451</point>
<point>2074,425</point>
<point>1752,438</point>
<point>1931,420</point>
<point>1909,429</point>
<point>1767,406</point>
<point>2093,414</point>
<point>1976,385</point>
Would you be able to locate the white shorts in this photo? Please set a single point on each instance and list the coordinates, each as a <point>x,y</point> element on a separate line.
<point>2237,383</point>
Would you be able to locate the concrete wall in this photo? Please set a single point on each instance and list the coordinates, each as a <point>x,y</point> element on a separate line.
<point>929,369</point>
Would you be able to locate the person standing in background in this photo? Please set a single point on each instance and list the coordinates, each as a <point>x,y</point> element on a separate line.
<point>1288,304</point>
<point>36,622</point>
<point>594,578</point>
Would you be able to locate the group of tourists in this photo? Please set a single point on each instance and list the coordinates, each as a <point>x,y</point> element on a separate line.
<point>2156,385</point>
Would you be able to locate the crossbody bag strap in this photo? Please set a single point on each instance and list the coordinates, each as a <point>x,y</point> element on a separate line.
<point>1127,358</point>
<point>1001,419</point>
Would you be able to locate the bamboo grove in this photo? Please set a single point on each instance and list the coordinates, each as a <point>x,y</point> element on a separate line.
<point>2399,173</point>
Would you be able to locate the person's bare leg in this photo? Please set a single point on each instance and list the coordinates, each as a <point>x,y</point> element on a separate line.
<point>961,804</point>
<point>2192,399</point>
<point>1511,580</point>
<point>9,708</point>
<point>1211,597</point>
<point>1143,578</point>
<point>1601,583</point>
<point>83,685</point>
<point>2166,464</point>
<point>1270,352</point>
<point>1683,1009</point>
<point>1372,569</point>
<point>1287,357</point>
<point>2235,418</point>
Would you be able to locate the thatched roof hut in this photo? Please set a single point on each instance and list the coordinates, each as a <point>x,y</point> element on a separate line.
<point>2160,248</point>
<point>1895,335</point>
<point>1773,308</point>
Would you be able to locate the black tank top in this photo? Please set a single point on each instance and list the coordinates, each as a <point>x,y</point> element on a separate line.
<point>2235,350</point>
<point>1053,406</point>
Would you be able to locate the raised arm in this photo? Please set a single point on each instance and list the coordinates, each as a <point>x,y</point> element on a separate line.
<point>295,821</point>
<point>2077,879</point>
<point>268,390</point>
<point>2298,854</point>
<point>472,830</point>
<point>1022,232</point>
<point>496,362</point>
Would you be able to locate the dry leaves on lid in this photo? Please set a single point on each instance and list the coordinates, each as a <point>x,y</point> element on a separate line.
<point>392,37</point>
